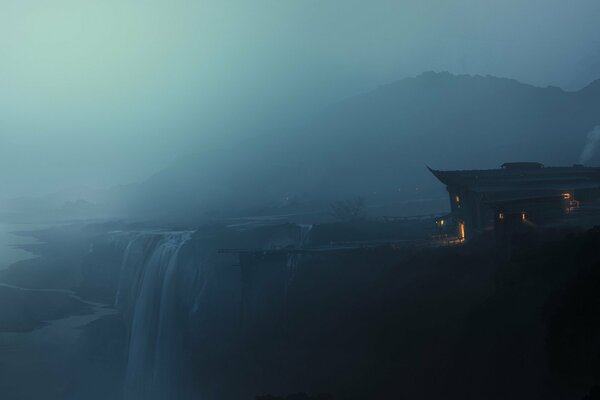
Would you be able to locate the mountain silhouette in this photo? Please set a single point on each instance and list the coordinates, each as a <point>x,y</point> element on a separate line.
<point>376,146</point>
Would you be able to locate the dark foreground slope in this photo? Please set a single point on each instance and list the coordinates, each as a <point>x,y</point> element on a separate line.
<point>376,145</point>
<point>461,322</point>
<point>467,322</point>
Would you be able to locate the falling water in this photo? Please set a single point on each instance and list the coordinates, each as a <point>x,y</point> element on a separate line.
<point>293,261</point>
<point>149,298</point>
<point>159,291</point>
<point>305,230</point>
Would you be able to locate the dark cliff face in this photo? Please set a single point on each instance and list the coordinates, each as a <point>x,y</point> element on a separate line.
<point>376,145</point>
<point>456,322</point>
<point>378,323</point>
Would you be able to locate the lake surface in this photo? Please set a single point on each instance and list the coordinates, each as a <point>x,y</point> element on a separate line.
<point>42,363</point>
<point>10,242</point>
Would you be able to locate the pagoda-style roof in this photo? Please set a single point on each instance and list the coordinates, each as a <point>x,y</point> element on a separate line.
<point>522,176</point>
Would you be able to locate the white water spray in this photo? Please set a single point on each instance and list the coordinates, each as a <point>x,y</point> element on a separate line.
<point>593,138</point>
<point>149,298</point>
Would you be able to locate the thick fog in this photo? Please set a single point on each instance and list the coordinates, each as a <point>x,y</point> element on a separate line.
<point>258,199</point>
<point>96,94</point>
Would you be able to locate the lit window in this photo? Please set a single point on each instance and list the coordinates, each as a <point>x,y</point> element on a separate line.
<point>461,231</point>
<point>523,216</point>
<point>457,198</point>
<point>501,216</point>
<point>566,196</point>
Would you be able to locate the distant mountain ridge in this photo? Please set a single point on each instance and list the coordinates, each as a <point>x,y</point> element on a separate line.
<point>376,145</point>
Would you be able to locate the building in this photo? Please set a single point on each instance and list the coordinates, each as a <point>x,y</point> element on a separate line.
<point>518,194</point>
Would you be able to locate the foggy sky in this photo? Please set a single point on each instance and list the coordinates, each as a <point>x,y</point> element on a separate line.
<point>107,92</point>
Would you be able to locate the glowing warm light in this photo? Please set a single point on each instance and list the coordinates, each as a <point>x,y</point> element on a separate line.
<point>523,216</point>
<point>442,222</point>
<point>572,205</point>
<point>461,229</point>
<point>501,216</point>
<point>566,196</point>
<point>457,198</point>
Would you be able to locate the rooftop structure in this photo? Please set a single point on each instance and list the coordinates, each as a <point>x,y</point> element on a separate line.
<point>518,193</point>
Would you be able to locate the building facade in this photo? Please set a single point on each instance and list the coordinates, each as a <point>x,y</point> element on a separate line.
<point>524,193</point>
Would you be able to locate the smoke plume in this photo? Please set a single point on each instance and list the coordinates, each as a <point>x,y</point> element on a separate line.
<point>593,137</point>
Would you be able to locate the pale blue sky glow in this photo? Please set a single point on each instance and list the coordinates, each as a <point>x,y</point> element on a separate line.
<point>107,92</point>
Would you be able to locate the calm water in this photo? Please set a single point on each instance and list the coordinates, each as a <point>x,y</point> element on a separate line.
<point>9,242</point>
<point>40,364</point>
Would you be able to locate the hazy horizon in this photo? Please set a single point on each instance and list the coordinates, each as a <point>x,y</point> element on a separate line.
<point>110,93</point>
<point>299,199</point>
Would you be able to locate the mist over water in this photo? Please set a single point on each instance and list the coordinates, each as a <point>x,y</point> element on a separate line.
<point>225,200</point>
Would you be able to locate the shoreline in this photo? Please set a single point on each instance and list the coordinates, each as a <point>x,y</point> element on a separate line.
<point>42,289</point>
<point>48,331</point>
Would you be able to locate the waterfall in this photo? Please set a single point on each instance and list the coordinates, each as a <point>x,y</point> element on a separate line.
<point>161,295</point>
<point>294,259</point>
<point>137,248</point>
<point>305,230</point>
<point>150,300</point>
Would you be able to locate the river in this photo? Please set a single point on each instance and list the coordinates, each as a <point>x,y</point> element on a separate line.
<point>39,363</point>
<point>10,240</point>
